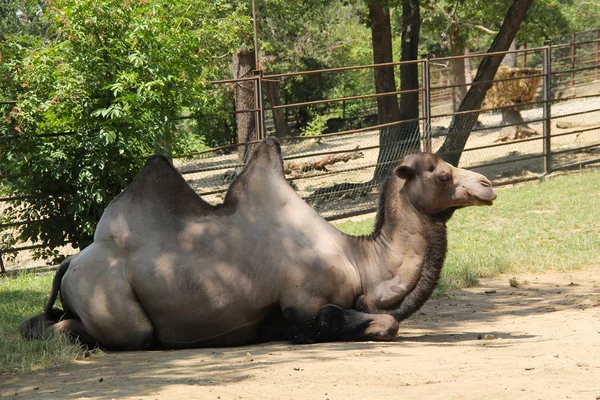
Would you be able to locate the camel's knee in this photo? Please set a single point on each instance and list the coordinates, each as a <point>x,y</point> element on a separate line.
<point>139,341</point>
<point>383,327</point>
<point>130,340</point>
<point>126,338</point>
<point>36,327</point>
<point>75,331</point>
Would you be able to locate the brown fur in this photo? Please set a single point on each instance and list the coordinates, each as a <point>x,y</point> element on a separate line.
<point>167,269</point>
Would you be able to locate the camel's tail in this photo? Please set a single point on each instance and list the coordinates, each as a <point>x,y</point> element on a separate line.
<point>60,272</point>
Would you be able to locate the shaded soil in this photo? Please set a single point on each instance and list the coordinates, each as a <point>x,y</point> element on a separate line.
<point>540,341</point>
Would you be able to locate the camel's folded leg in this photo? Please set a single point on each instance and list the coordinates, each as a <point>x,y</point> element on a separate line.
<point>43,325</point>
<point>333,324</point>
<point>36,327</point>
<point>76,331</point>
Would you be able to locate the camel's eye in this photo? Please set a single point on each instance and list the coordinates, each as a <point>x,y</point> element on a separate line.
<point>431,168</point>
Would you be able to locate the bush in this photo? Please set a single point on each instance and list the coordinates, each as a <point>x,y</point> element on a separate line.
<point>118,76</point>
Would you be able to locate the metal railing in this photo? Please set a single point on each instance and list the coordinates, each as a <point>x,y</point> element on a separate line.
<point>351,154</point>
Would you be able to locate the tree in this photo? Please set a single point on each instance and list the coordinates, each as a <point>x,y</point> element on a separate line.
<point>398,140</point>
<point>314,34</point>
<point>21,18</point>
<point>387,106</point>
<point>243,66</point>
<point>454,24</point>
<point>462,124</point>
<point>21,28</point>
<point>117,75</point>
<point>409,75</point>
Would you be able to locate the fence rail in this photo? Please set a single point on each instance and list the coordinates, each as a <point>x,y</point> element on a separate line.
<point>570,88</point>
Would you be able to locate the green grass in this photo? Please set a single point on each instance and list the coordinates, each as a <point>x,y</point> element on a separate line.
<point>553,225</point>
<point>534,227</point>
<point>21,297</point>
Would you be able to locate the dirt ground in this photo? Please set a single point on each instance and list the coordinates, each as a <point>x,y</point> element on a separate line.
<point>539,341</point>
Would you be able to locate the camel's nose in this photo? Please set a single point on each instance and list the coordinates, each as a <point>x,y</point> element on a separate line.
<point>485,182</point>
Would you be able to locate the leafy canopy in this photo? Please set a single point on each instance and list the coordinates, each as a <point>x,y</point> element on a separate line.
<point>117,75</point>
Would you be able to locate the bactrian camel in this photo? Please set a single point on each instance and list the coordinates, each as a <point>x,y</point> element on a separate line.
<point>168,270</point>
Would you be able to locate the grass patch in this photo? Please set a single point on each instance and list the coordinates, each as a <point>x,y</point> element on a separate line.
<point>553,225</point>
<point>21,297</point>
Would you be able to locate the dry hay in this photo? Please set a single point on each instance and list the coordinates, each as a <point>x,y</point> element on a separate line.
<point>507,93</point>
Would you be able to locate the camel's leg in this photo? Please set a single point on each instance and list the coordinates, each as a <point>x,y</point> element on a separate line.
<point>334,323</point>
<point>41,325</point>
<point>118,323</point>
<point>36,327</point>
<point>96,290</point>
<point>75,331</point>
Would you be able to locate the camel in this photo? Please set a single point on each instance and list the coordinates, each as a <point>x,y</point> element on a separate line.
<point>168,270</point>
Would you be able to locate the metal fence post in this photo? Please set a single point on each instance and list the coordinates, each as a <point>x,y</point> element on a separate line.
<point>258,92</point>
<point>258,101</point>
<point>596,64</point>
<point>547,71</point>
<point>572,59</point>
<point>426,102</point>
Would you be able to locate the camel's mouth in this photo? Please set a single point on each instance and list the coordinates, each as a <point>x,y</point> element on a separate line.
<point>482,200</point>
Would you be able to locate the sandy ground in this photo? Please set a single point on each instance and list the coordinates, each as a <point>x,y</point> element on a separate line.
<point>545,345</point>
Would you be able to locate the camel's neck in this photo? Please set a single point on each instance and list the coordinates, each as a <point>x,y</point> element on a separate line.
<point>403,258</point>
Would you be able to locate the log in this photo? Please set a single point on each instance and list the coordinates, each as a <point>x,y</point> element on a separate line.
<point>320,164</point>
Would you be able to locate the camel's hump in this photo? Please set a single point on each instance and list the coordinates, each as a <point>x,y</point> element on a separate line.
<point>160,185</point>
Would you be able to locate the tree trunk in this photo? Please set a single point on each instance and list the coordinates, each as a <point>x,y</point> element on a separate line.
<point>510,60</point>
<point>511,116</point>
<point>409,77</point>
<point>468,68</point>
<point>243,64</point>
<point>462,125</point>
<point>281,127</point>
<point>457,48</point>
<point>518,128</point>
<point>396,141</point>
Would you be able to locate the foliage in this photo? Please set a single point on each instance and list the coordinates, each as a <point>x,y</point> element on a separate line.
<point>21,18</point>
<point>310,35</point>
<point>316,126</point>
<point>118,75</point>
<point>546,19</point>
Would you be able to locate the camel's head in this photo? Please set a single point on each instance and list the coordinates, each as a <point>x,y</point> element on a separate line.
<point>435,187</point>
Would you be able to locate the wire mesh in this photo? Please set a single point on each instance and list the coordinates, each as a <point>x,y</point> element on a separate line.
<point>336,171</point>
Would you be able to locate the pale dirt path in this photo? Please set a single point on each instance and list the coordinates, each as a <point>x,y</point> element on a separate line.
<point>546,346</point>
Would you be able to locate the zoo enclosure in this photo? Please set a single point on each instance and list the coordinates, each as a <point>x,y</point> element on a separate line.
<point>568,96</point>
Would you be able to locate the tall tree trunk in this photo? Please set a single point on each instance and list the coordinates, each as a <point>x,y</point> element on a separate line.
<point>243,64</point>
<point>462,125</point>
<point>395,141</point>
<point>281,127</point>
<point>409,73</point>
<point>468,68</point>
<point>510,60</point>
<point>457,65</point>
<point>512,115</point>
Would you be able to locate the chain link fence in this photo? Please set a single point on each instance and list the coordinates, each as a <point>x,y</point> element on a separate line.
<point>551,122</point>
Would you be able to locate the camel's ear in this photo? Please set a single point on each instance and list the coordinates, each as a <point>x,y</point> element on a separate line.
<point>404,172</point>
